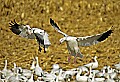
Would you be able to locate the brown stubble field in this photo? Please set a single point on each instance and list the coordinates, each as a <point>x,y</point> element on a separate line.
<point>75,17</point>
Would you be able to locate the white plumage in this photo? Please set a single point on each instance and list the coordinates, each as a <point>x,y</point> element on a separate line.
<point>94,64</point>
<point>73,43</point>
<point>31,33</point>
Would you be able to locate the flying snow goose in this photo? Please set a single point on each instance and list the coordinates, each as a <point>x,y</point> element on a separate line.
<point>31,33</point>
<point>73,43</point>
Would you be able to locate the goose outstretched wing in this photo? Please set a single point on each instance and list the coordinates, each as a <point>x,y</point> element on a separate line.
<point>20,29</point>
<point>91,40</point>
<point>56,27</point>
<point>15,27</point>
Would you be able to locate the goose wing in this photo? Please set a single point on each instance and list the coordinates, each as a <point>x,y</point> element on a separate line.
<point>56,27</point>
<point>15,27</point>
<point>21,30</point>
<point>91,40</point>
<point>42,39</point>
<point>41,36</point>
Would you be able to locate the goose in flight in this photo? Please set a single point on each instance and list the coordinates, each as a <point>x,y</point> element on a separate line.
<point>73,43</point>
<point>31,33</point>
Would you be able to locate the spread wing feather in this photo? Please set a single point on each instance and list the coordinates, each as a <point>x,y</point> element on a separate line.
<point>91,40</point>
<point>56,27</point>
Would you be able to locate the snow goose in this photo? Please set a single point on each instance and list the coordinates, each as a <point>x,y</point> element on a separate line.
<point>6,72</point>
<point>23,74</point>
<point>31,78</point>
<point>49,77</point>
<point>69,74</point>
<point>83,68</point>
<point>111,72</point>
<point>26,73</point>
<point>14,78</point>
<point>55,69</point>
<point>108,79</point>
<point>38,70</point>
<point>101,73</point>
<point>94,64</point>
<point>31,33</point>
<point>95,79</point>
<point>80,78</point>
<point>2,78</point>
<point>73,43</point>
<point>16,68</point>
<point>117,66</point>
<point>60,77</point>
<point>33,65</point>
<point>39,79</point>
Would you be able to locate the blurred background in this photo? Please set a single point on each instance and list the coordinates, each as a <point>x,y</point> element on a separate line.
<point>74,17</point>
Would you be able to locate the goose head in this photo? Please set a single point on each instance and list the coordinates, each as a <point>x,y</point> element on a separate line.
<point>95,57</point>
<point>62,39</point>
<point>28,29</point>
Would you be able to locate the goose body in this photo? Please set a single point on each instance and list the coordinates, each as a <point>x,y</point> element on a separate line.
<point>31,33</point>
<point>73,43</point>
<point>94,64</point>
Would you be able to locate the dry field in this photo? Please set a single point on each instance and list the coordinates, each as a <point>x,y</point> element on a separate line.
<point>75,17</point>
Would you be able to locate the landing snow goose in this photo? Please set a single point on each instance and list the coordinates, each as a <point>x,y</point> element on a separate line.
<point>73,43</point>
<point>31,33</point>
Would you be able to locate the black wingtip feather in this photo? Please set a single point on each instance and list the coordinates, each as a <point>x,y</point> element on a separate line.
<point>54,24</point>
<point>14,27</point>
<point>13,24</point>
<point>105,35</point>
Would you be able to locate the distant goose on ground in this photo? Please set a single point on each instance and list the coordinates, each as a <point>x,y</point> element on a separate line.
<point>38,70</point>
<point>81,78</point>
<point>73,43</point>
<point>6,72</point>
<point>31,33</point>
<point>94,64</point>
<point>117,66</point>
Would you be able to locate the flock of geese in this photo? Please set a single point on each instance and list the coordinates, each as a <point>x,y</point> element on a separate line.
<point>73,43</point>
<point>85,73</point>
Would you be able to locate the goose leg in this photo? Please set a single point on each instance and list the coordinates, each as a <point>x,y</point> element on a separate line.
<point>44,49</point>
<point>69,58</point>
<point>40,48</point>
<point>77,55</point>
<point>75,58</point>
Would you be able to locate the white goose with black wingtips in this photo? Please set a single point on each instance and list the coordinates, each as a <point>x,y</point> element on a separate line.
<point>73,43</point>
<point>31,33</point>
